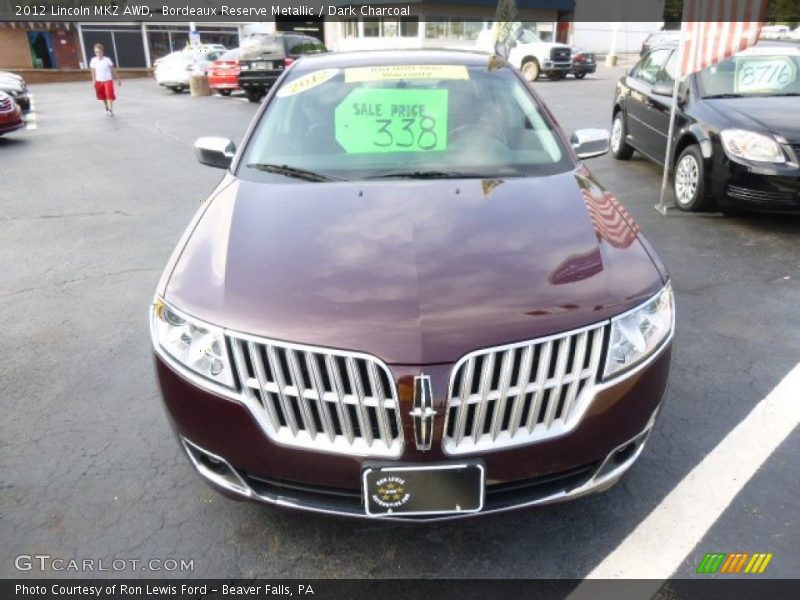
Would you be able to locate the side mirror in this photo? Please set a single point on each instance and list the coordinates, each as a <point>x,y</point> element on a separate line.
<point>215,151</point>
<point>662,89</point>
<point>589,143</point>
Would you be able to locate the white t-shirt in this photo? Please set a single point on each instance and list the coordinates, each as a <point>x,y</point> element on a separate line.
<point>102,68</point>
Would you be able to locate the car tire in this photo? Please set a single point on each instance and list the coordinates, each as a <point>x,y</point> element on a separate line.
<point>580,75</point>
<point>253,95</point>
<point>530,69</point>
<point>620,149</point>
<point>688,180</point>
<point>225,93</point>
<point>177,90</point>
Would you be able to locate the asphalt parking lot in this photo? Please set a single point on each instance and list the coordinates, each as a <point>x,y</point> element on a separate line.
<point>90,209</point>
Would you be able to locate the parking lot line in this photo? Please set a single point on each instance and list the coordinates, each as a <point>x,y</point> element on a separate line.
<point>30,118</point>
<point>660,543</point>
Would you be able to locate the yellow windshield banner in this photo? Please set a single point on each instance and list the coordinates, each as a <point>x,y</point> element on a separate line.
<point>394,72</point>
<point>306,82</point>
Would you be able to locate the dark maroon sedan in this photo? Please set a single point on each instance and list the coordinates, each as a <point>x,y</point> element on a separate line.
<point>408,299</point>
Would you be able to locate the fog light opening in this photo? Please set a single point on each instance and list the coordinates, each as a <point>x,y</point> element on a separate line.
<point>216,469</point>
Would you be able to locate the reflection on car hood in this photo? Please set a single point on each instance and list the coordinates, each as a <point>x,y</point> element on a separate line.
<point>415,272</point>
<point>776,114</point>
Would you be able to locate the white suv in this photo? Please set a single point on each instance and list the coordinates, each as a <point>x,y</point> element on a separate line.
<point>530,54</point>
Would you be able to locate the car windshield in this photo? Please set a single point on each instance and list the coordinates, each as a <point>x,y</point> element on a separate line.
<point>414,120</point>
<point>261,45</point>
<point>526,36</point>
<point>766,71</point>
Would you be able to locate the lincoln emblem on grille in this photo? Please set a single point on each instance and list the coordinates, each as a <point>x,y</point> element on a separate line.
<point>423,412</point>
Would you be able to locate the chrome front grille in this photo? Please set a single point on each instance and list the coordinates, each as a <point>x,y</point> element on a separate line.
<point>6,104</point>
<point>560,54</point>
<point>318,398</point>
<point>521,393</point>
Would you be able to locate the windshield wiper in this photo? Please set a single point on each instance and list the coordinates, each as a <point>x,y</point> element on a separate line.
<point>786,94</point>
<point>723,96</point>
<point>426,175</point>
<point>295,172</point>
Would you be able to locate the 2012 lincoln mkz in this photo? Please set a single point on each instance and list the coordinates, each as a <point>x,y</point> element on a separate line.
<point>408,298</point>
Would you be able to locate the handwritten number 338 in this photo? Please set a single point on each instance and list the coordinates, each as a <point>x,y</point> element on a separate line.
<point>425,140</point>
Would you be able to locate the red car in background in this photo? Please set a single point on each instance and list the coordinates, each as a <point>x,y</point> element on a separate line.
<point>10,114</point>
<point>223,76</point>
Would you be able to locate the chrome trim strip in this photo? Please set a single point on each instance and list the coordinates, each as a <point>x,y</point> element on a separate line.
<point>242,488</point>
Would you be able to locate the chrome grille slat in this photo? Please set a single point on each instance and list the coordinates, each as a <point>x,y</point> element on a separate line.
<point>300,391</point>
<point>519,403</point>
<point>486,380</point>
<point>324,409</point>
<point>554,379</point>
<point>276,368</point>
<point>317,398</point>
<point>505,376</point>
<point>363,417</point>
<point>261,376</point>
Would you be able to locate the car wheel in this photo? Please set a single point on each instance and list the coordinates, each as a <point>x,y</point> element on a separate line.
<point>177,90</point>
<point>580,75</point>
<point>530,69</point>
<point>224,92</point>
<point>620,149</point>
<point>689,181</point>
<point>253,95</point>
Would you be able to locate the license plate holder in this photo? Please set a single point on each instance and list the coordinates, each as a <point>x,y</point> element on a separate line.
<point>423,489</point>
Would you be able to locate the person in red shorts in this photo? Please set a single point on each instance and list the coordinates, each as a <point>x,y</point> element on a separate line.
<point>103,76</point>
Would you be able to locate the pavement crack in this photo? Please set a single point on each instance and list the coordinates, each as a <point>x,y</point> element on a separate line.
<point>66,282</point>
<point>120,213</point>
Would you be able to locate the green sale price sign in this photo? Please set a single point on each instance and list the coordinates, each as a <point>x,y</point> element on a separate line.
<point>392,120</point>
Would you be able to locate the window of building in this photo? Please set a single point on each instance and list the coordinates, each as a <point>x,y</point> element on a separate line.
<point>351,28</point>
<point>440,29</point>
<point>372,28</point>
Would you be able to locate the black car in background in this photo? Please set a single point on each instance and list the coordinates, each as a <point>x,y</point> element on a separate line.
<point>264,58</point>
<point>583,62</point>
<point>737,131</point>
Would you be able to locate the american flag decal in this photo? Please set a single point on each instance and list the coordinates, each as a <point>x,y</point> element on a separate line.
<point>714,30</point>
<point>610,219</point>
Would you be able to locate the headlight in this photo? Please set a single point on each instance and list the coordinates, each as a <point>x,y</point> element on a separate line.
<point>752,146</point>
<point>198,346</point>
<point>635,335</point>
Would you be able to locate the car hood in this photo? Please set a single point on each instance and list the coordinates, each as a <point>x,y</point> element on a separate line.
<point>8,84</point>
<point>776,114</point>
<point>415,272</point>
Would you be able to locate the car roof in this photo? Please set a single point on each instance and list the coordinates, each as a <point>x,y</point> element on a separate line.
<point>392,57</point>
<point>674,43</point>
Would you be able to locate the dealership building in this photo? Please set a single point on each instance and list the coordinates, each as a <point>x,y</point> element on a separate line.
<point>43,45</point>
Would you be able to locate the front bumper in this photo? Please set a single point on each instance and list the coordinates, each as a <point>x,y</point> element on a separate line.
<point>584,68</point>
<point>258,80</point>
<point>11,125</point>
<point>773,188</point>
<point>231,451</point>
<point>549,66</point>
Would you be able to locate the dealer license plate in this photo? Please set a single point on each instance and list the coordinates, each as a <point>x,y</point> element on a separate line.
<point>424,490</point>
